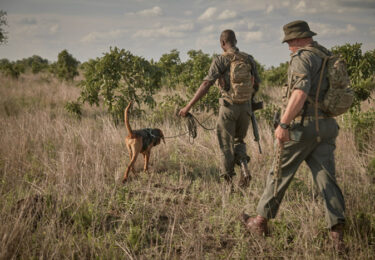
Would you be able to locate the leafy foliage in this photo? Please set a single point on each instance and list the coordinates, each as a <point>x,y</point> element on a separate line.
<point>276,76</point>
<point>166,109</point>
<point>171,67</point>
<point>117,78</point>
<point>74,108</point>
<point>66,67</point>
<point>34,63</point>
<point>267,113</point>
<point>10,69</point>
<point>363,125</point>
<point>194,70</point>
<point>361,68</point>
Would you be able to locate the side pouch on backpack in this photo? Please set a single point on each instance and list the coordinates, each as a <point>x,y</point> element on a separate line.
<point>338,101</point>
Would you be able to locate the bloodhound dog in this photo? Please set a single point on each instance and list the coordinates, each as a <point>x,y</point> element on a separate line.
<point>140,141</point>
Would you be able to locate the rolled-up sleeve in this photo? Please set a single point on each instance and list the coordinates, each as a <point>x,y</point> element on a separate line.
<point>215,70</point>
<point>300,74</point>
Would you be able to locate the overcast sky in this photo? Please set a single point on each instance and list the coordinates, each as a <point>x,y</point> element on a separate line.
<point>150,28</point>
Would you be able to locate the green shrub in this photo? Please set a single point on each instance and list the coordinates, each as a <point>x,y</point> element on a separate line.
<point>10,69</point>
<point>35,64</point>
<point>66,67</point>
<point>268,113</point>
<point>166,109</point>
<point>276,76</point>
<point>171,67</point>
<point>118,78</point>
<point>363,125</point>
<point>194,71</point>
<point>361,69</point>
<point>74,108</point>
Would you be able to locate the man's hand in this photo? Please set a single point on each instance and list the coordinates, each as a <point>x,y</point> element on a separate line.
<point>184,111</point>
<point>282,135</point>
<point>295,104</point>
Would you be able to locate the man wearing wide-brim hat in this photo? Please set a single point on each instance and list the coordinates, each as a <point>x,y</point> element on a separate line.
<point>298,138</point>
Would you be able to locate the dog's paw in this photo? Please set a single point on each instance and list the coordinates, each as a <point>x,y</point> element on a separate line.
<point>124,180</point>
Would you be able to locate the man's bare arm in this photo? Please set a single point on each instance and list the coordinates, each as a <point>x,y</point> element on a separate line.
<point>295,104</point>
<point>201,91</point>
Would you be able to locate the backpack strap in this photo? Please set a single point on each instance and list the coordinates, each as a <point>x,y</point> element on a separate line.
<point>229,55</point>
<point>315,50</point>
<point>325,58</point>
<point>232,56</point>
<point>317,96</point>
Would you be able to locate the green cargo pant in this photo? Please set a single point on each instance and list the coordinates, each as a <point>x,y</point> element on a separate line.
<point>319,156</point>
<point>232,125</point>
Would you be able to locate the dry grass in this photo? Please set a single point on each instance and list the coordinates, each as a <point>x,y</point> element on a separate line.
<point>61,195</point>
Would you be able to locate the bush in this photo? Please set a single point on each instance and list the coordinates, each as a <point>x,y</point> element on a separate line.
<point>66,67</point>
<point>363,125</point>
<point>171,67</point>
<point>194,71</point>
<point>10,69</point>
<point>34,63</point>
<point>166,109</point>
<point>276,76</point>
<point>118,78</point>
<point>361,69</point>
<point>268,113</point>
<point>74,108</point>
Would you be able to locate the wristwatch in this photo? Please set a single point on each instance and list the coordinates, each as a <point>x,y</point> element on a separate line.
<point>284,126</point>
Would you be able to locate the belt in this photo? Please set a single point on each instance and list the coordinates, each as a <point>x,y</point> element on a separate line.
<point>299,118</point>
<point>233,102</point>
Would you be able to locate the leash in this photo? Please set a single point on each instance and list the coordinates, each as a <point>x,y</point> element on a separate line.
<point>192,127</point>
<point>201,124</point>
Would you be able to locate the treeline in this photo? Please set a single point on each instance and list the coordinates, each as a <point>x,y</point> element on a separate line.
<point>120,76</point>
<point>66,67</point>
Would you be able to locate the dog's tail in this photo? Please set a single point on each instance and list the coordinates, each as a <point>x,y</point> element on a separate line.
<point>130,132</point>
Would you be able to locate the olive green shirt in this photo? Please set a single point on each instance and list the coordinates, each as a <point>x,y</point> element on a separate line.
<point>304,73</point>
<point>220,67</point>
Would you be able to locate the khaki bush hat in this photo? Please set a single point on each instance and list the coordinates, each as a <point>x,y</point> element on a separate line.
<point>296,30</point>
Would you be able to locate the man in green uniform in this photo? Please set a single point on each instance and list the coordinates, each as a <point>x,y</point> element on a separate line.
<point>298,139</point>
<point>235,103</point>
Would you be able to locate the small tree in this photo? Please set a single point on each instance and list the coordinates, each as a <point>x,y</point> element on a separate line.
<point>116,79</point>
<point>170,65</point>
<point>66,67</point>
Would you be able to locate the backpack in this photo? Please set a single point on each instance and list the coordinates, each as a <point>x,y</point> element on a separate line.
<point>339,96</point>
<point>241,78</point>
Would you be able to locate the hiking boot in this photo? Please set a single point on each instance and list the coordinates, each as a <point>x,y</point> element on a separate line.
<point>337,237</point>
<point>256,225</point>
<point>245,175</point>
